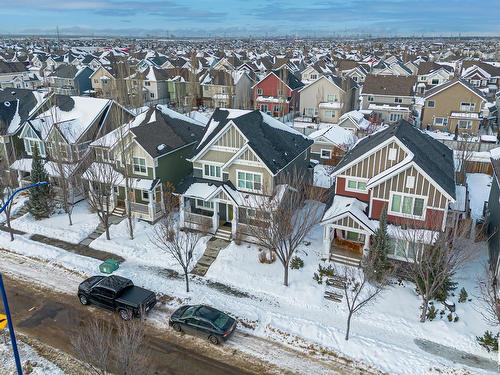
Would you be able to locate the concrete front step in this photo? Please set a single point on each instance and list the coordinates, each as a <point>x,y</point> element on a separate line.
<point>345,260</point>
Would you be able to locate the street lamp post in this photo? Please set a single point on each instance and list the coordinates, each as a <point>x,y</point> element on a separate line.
<point>2,288</point>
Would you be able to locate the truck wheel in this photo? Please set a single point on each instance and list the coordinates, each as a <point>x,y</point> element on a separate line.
<point>83,299</point>
<point>177,327</point>
<point>213,339</point>
<point>124,314</point>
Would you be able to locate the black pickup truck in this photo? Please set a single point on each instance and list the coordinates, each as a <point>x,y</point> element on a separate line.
<point>118,294</point>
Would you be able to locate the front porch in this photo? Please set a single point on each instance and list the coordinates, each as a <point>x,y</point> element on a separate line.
<point>144,204</point>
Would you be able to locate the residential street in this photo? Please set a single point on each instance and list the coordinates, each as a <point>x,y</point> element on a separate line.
<point>53,319</point>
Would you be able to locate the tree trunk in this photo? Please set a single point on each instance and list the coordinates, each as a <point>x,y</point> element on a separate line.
<point>186,276</point>
<point>130,228</point>
<point>285,276</point>
<point>425,306</point>
<point>106,227</point>
<point>348,328</point>
<point>7,216</point>
<point>70,218</point>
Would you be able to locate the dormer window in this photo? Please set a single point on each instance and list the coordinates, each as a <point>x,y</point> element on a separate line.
<point>212,171</point>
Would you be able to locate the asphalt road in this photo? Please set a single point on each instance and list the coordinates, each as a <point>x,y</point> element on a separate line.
<point>54,318</point>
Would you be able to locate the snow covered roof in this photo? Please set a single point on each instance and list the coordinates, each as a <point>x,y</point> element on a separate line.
<point>16,106</point>
<point>73,114</point>
<point>104,170</point>
<point>24,165</point>
<point>335,134</point>
<point>342,206</point>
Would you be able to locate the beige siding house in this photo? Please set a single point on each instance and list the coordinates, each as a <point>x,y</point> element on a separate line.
<point>451,105</point>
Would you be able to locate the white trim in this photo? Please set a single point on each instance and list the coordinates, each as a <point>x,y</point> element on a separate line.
<point>250,190</point>
<point>401,214</point>
<point>268,74</point>
<point>211,163</point>
<point>356,179</point>
<point>372,151</point>
<point>329,154</point>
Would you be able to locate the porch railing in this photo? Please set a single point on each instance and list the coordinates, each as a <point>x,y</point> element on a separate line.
<point>198,219</point>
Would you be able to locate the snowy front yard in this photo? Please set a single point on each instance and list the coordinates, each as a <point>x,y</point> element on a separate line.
<point>57,226</point>
<point>479,187</point>
<point>141,249</point>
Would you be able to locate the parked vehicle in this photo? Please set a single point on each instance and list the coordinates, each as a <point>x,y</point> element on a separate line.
<point>118,294</point>
<point>203,320</point>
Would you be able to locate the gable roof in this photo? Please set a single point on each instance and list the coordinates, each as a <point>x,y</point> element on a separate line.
<point>432,156</point>
<point>427,67</point>
<point>275,143</point>
<point>389,85</point>
<point>448,84</point>
<point>16,106</point>
<point>164,130</point>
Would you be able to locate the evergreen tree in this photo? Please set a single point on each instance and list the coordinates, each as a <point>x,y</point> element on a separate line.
<point>378,262</point>
<point>40,198</point>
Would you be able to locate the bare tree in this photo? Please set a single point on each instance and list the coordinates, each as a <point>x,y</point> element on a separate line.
<point>113,347</point>
<point>179,244</point>
<point>6,189</point>
<point>102,178</point>
<point>490,296</point>
<point>357,291</point>
<point>463,155</point>
<point>93,343</point>
<point>284,219</point>
<point>433,257</point>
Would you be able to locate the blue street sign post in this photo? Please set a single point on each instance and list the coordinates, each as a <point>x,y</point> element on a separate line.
<point>2,288</point>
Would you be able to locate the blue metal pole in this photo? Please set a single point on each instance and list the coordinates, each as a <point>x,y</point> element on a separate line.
<point>11,328</point>
<point>2,287</point>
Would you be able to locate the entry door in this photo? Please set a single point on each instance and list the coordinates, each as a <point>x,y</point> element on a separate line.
<point>223,211</point>
<point>229,212</point>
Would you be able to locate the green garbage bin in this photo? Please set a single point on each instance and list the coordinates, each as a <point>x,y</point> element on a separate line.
<point>109,266</point>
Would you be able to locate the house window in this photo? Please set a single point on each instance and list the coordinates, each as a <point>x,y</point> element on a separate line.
<point>310,112</point>
<point>395,117</point>
<point>263,108</point>
<point>200,203</point>
<point>431,104</point>
<point>326,154</point>
<point>151,95</point>
<point>280,92</point>
<point>356,185</point>
<point>355,236</point>
<point>355,79</point>
<point>139,165</point>
<point>435,81</point>
<point>370,98</point>
<point>441,121</point>
<point>147,83</point>
<point>407,205</point>
<point>399,248</point>
<point>276,108</point>
<point>249,181</point>
<point>467,107</point>
<point>331,98</point>
<point>260,91</point>
<point>393,152</point>
<point>30,144</point>
<point>210,170</point>
<point>398,100</point>
<point>329,114</point>
<point>145,195</point>
<point>313,76</point>
<point>464,124</point>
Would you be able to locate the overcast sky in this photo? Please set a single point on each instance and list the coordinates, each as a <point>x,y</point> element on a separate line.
<point>253,17</point>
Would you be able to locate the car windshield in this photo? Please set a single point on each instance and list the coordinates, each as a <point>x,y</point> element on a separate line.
<point>189,311</point>
<point>218,318</point>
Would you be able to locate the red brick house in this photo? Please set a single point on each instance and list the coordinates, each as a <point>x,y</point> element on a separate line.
<point>400,168</point>
<point>277,93</point>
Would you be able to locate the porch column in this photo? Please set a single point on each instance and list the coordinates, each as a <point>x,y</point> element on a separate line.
<point>19,178</point>
<point>327,239</point>
<point>234,222</point>
<point>366,248</point>
<point>151,206</point>
<point>215,217</point>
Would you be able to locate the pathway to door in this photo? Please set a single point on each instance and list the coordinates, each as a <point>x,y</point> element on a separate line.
<point>214,246</point>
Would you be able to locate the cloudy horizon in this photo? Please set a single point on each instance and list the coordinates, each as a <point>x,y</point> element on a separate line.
<point>163,18</point>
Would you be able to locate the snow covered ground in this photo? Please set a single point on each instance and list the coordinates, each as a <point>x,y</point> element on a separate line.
<point>141,249</point>
<point>479,188</point>
<point>30,360</point>
<point>57,226</point>
<point>322,176</point>
<point>382,336</point>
